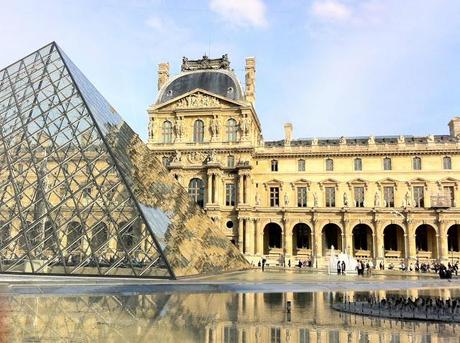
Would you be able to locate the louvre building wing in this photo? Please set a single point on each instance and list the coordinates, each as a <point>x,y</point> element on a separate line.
<point>80,193</point>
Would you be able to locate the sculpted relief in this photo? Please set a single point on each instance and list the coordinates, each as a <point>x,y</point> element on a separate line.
<point>197,100</point>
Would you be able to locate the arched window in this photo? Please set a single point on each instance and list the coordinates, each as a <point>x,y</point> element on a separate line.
<point>232,129</point>
<point>129,236</point>
<point>329,164</point>
<point>417,163</point>
<point>167,131</point>
<point>198,131</point>
<point>447,162</point>
<point>387,163</point>
<point>99,235</point>
<point>196,191</point>
<point>358,164</point>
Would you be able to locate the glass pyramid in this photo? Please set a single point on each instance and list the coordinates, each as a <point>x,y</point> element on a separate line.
<point>79,192</point>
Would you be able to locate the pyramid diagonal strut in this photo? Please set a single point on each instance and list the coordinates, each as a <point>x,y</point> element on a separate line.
<point>80,194</point>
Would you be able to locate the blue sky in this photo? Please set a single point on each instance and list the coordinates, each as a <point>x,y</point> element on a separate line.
<point>331,67</point>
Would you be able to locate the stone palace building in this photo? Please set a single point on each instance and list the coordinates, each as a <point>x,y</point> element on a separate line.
<point>385,198</point>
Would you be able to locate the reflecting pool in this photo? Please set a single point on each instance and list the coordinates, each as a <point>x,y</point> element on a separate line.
<point>208,318</point>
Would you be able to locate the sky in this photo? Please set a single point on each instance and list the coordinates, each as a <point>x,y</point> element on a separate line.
<point>330,67</point>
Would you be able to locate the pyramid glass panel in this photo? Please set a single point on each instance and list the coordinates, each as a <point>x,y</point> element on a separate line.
<point>80,194</point>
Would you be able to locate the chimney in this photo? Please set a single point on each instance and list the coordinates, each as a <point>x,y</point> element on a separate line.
<point>163,74</point>
<point>454,127</point>
<point>251,80</point>
<point>287,134</point>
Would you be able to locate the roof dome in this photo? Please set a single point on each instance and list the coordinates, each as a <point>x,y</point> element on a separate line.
<point>221,82</point>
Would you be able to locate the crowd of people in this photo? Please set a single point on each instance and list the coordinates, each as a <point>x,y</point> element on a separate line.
<point>398,306</point>
<point>425,267</point>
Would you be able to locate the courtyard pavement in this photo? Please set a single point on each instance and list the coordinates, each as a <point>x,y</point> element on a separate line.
<point>247,281</point>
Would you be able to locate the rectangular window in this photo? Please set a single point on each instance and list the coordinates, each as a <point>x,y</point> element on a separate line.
<point>304,336</point>
<point>387,163</point>
<point>230,194</point>
<point>231,161</point>
<point>359,196</point>
<point>389,196</point>
<point>274,196</point>
<point>447,163</point>
<point>417,163</point>
<point>301,165</point>
<point>329,165</point>
<point>274,165</point>
<point>449,191</point>
<point>301,196</point>
<point>330,196</point>
<point>419,196</point>
<point>358,164</point>
<point>275,335</point>
<point>230,334</point>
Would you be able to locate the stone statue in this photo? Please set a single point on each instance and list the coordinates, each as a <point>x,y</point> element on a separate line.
<point>286,199</point>
<point>371,140</point>
<point>244,126</point>
<point>401,139</point>
<point>407,200</point>
<point>377,199</point>
<point>151,129</point>
<point>345,199</point>
<point>225,63</point>
<point>178,127</point>
<point>315,199</point>
<point>343,140</point>
<point>214,127</point>
<point>430,139</point>
<point>185,65</point>
<point>257,199</point>
<point>314,141</point>
<point>212,156</point>
<point>177,156</point>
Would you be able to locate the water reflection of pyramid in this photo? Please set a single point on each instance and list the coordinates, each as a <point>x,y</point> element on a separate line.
<point>79,191</point>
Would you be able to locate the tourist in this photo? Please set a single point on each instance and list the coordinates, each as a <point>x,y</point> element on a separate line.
<point>382,266</point>
<point>263,263</point>
<point>289,263</point>
<point>343,267</point>
<point>339,268</point>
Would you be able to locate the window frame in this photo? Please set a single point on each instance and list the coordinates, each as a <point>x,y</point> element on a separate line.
<point>417,163</point>
<point>198,131</point>
<point>329,164</point>
<point>232,130</point>
<point>359,202</point>
<point>419,201</point>
<point>274,165</point>
<point>358,164</point>
<point>230,194</point>
<point>330,201</point>
<point>387,203</point>
<point>447,159</point>
<point>301,165</point>
<point>167,132</point>
<point>302,194</point>
<point>389,166</point>
<point>274,196</point>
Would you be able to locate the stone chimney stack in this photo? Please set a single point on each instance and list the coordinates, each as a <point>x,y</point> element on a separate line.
<point>251,80</point>
<point>287,134</point>
<point>163,74</point>
<point>454,127</point>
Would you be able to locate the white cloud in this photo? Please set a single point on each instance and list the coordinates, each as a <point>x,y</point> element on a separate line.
<point>331,10</point>
<point>241,12</point>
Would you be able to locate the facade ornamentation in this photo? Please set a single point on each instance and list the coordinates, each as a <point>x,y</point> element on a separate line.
<point>178,128</point>
<point>286,199</point>
<point>151,129</point>
<point>377,199</point>
<point>214,127</point>
<point>197,100</point>
<point>196,157</point>
<point>315,199</point>
<point>205,63</point>
<point>345,199</point>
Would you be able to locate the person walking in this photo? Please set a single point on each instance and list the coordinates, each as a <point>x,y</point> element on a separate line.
<point>343,267</point>
<point>263,263</point>
<point>339,268</point>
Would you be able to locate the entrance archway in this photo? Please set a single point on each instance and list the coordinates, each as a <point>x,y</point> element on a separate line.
<point>362,241</point>
<point>425,242</point>
<point>301,238</point>
<point>453,239</point>
<point>393,241</point>
<point>272,237</point>
<point>332,236</point>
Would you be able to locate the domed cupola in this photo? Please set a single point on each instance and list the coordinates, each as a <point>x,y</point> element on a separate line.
<point>212,75</point>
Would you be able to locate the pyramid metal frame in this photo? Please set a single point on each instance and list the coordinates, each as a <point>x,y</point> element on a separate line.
<point>40,246</point>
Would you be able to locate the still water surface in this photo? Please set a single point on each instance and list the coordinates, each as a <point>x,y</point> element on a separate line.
<point>208,318</point>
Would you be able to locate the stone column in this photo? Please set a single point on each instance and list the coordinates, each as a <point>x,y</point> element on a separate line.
<point>288,240</point>
<point>259,237</point>
<point>209,190</point>
<point>248,190</point>
<point>378,242</point>
<point>240,190</point>
<point>347,237</point>
<point>250,237</point>
<point>241,235</point>
<point>443,249</point>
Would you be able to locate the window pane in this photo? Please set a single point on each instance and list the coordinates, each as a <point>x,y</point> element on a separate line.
<point>230,194</point>
<point>198,131</point>
<point>419,196</point>
<point>387,163</point>
<point>330,196</point>
<point>301,165</point>
<point>359,196</point>
<point>274,196</point>
<point>358,164</point>
<point>301,196</point>
<point>274,165</point>
<point>329,165</point>
<point>447,162</point>
<point>389,196</point>
<point>417,163</point>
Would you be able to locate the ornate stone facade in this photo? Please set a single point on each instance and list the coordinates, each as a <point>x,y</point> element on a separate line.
<point>382,198</point>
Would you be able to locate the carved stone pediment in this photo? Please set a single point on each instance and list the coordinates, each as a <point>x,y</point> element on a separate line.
<point>197,100</point>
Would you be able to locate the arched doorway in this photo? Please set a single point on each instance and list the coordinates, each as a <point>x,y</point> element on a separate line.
<point>332,237</point>
<point>453,241</point>
<point>301,240</point>
<point>393,241</point>
<point>362,241</point>
<point>425,242</point>
<point>272,238</point>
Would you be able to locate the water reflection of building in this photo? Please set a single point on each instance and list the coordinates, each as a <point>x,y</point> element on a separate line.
<point>386,198</point>
<point>207,318</point>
